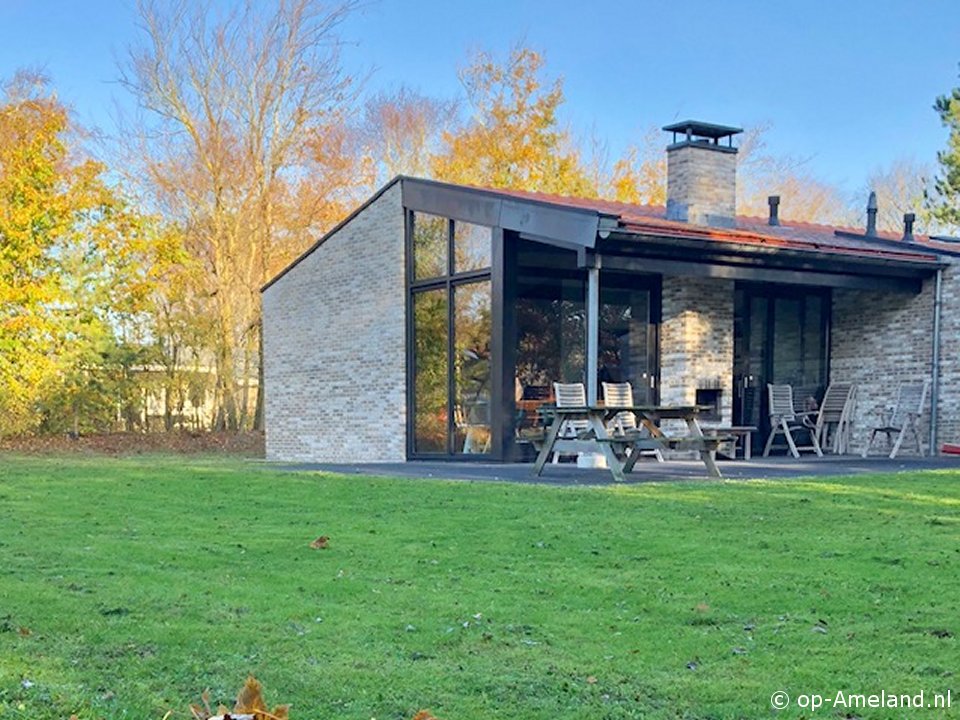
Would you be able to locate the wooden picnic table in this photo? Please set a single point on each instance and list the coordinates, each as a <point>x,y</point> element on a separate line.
<point>622,450</point>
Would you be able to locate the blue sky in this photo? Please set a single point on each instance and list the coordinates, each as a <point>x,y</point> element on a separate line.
<point>848,84</point>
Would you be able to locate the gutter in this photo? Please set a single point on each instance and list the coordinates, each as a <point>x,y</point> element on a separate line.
<point>935,364</point>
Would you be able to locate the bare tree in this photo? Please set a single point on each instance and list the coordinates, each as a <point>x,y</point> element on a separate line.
<point>401,131</point>
<point>900,189</point>
<point>234,106</point>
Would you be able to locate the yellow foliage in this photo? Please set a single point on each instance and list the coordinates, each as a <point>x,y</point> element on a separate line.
<point>514,140</point>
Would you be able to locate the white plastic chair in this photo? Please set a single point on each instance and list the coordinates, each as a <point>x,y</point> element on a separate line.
<point>784,419</point>
<point>621,395</point>
<point>911,397</point>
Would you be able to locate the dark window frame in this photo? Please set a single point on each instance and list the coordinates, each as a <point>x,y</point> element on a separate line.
<point>448,283</point>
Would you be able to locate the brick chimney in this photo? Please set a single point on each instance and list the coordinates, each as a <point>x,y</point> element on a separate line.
<point>702,173</point>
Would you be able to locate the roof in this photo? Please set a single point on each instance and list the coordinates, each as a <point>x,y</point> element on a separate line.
<point>651,220</point>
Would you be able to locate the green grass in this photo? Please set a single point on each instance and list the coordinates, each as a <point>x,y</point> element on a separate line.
<point>140,582</point>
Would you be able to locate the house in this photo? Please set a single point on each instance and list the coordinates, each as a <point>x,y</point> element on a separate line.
<point>432,321</point>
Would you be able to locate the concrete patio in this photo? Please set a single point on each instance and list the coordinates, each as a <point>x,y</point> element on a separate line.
<point>645,472</point>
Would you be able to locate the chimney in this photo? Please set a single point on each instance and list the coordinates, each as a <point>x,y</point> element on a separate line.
<point>872,214</point>
<point>774,202</point>
<point>702,173</point>
<point>908,219</point>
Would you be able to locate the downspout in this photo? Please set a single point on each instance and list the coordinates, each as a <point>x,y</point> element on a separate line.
<point>935,363</point>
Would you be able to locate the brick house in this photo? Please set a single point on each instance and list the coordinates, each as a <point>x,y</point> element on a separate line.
<point>430,322</point>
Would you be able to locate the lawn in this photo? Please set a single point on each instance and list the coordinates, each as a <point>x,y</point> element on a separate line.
<point>129,585</point>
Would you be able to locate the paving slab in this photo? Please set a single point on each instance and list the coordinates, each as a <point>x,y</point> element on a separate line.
<point>644,472</point>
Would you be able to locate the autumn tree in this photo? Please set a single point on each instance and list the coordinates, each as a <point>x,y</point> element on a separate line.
<point>639,176</point>
<point>402,131</point>
<point>73,266</point>
<point>239,113</point>
<point>514,138</point>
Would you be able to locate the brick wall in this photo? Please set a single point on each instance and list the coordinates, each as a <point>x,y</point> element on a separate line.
<point>881,339</point>
<point>696,340</point>
<point>334,358</point>
<point>701,185</point>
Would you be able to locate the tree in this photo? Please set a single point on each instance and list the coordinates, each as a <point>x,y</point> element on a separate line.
<point>640,175</point>
<point>514,139</point>
<point>901,188</point>
<point>238,109</point>
<point>804,198</point>
<point>402,131</point>
<point>944,201</point>
<point>68,266</point>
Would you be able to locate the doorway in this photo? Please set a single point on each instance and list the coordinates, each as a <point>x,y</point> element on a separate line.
<point>781,335</point>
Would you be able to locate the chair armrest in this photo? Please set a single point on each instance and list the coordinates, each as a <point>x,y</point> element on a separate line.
<point>808,417</point>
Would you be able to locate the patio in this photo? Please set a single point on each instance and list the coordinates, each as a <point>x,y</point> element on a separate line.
<point>568,474</point>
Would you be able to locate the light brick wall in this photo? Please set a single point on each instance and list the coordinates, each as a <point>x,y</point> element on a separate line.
<point>880,339</point>
<point>334,346</point>
<point>696,340</point>
<point>948,415</point>
<point>701,185</point>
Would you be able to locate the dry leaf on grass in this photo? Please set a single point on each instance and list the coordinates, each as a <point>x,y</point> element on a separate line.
<point>321,543</point>
<point>249,706</point>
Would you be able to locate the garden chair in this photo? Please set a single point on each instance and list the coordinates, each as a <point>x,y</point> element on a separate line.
<point>785,419</point>
<point>904,418</point>
<point>621,395</point>
<point>570,395</point>
<point>835,410</point>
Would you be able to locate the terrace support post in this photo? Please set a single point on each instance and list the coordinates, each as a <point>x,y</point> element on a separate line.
<point>593,327</point>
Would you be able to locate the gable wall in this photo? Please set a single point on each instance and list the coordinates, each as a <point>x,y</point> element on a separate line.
<point>334,346</point>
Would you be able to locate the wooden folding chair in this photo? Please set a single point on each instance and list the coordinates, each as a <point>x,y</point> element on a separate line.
<point>911,397</point>
<point>621,395</point>
<point>784,419</point>
<point>834,417</point>
<point>570,395</point>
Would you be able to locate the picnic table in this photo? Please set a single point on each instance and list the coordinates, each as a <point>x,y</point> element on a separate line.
<point>622,450</point>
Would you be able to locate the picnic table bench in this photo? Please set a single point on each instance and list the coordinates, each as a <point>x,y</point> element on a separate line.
<point>622,450</point>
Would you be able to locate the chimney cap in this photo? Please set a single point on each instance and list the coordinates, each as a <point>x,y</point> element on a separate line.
<point>703,129</point>
<point>702,134</point>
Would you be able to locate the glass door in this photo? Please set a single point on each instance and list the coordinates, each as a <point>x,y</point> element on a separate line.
<point>628,341</point>
<point>780,336</point>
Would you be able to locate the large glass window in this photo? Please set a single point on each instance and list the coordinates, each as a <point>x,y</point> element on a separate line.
<point>430,370</point>
<point>471,246</point>
<point>451,309</point>
<point>430,244</point>
<point>471,325</point>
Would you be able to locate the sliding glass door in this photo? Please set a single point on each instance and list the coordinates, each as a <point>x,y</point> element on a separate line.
<point>780,336</point>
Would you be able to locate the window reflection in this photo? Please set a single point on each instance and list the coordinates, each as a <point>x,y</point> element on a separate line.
<point>471,246</point>
<point>430,234</point>
<point>430,370</point>
<point>472,367</point>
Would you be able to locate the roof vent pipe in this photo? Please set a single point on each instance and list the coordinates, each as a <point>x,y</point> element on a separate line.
<point>908,219</point>
<point>872,214</point>
<point>774,202</point>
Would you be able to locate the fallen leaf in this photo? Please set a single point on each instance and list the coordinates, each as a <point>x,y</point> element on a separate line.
<point>321,543</point>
